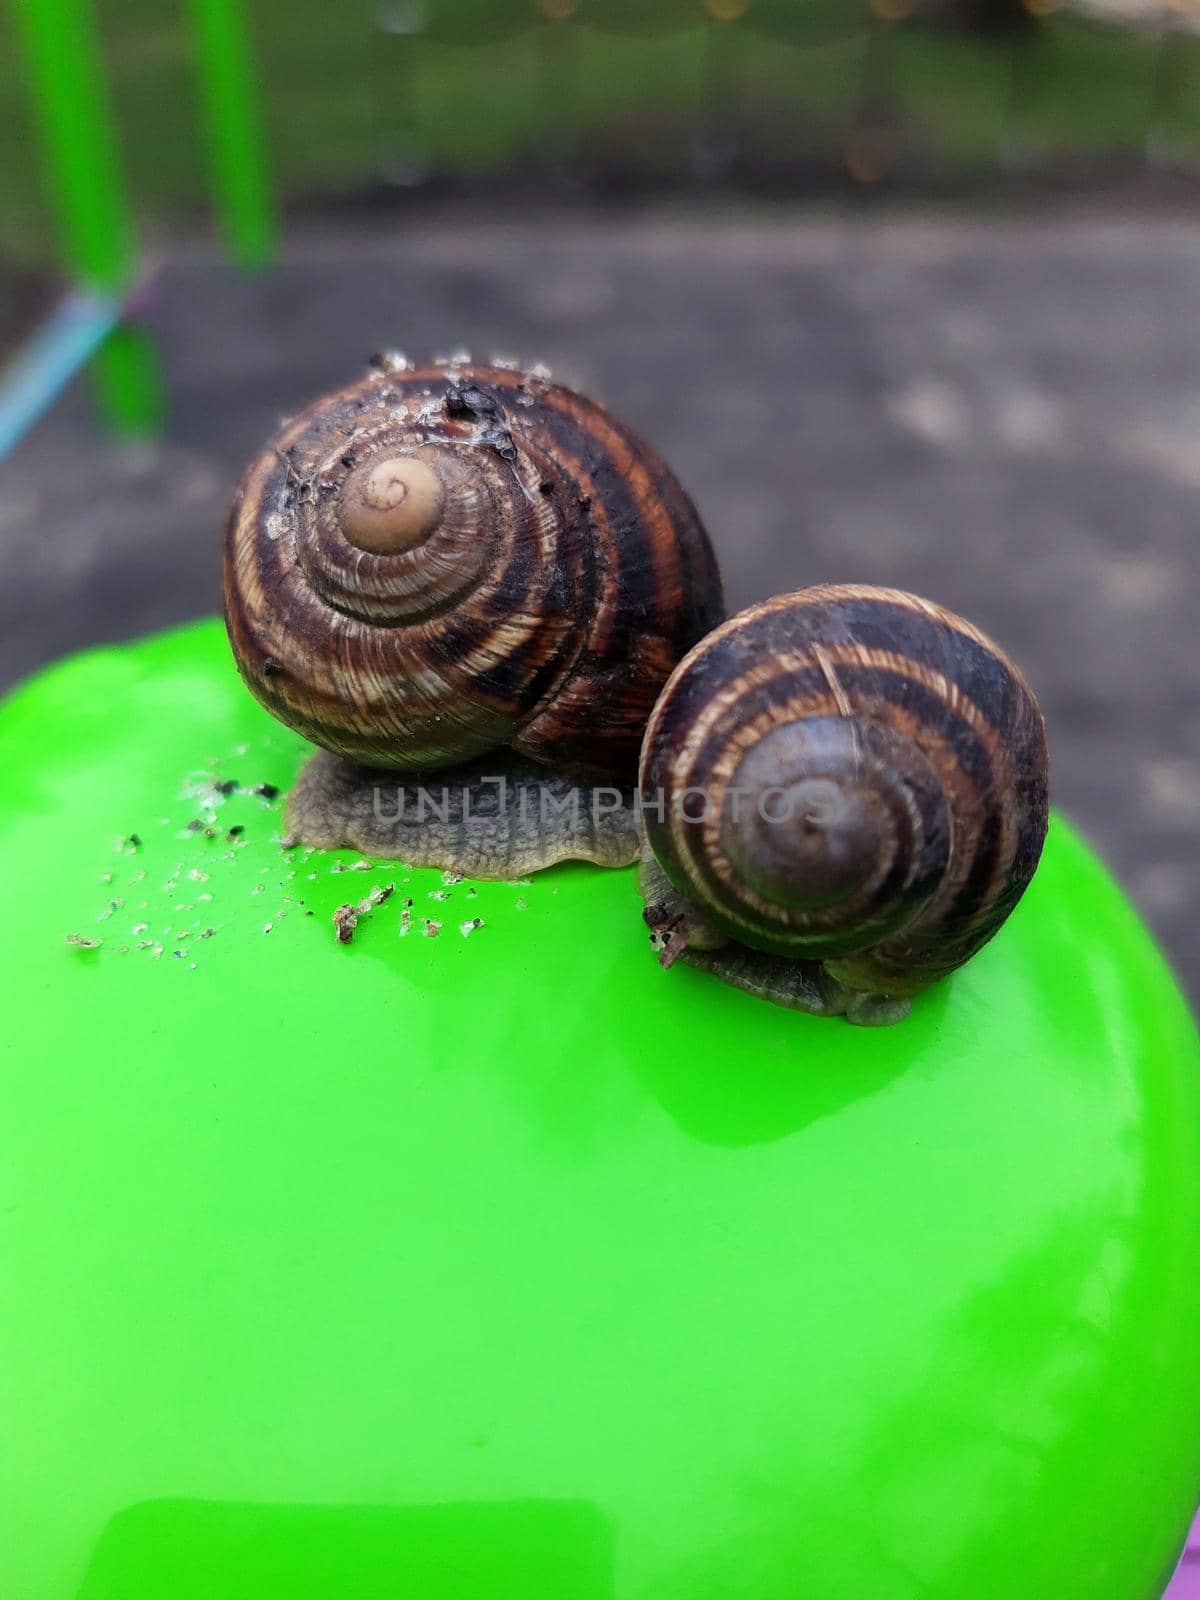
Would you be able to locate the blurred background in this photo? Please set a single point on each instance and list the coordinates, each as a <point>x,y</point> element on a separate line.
<point>906,291</point>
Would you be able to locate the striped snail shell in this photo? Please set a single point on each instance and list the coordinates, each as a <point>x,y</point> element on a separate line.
<point>441,562</point>
<point>847,775</point>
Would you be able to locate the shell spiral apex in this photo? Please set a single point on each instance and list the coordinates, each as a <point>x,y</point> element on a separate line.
<point>440,562</point>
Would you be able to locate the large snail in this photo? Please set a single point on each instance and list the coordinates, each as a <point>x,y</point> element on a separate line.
<point>469,571</point>
<point>844,795</point>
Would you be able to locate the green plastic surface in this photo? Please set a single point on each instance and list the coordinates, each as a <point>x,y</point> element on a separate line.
<point>501,1265</point>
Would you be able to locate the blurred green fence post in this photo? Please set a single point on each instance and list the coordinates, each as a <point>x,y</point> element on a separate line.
<point>87,189</point>
<point>873,144</point>
<point>558,58</point>
<point>236,146</point>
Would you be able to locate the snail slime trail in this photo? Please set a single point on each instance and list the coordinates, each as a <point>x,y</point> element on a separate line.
<point>875,782</point>
<point>467,585</point>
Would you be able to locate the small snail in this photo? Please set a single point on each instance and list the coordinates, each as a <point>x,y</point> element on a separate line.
<point>463,567</point>
<point>844,795</point>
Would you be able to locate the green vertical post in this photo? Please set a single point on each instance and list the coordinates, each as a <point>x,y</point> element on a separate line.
<point>236,150</point>
<point>87,190</point>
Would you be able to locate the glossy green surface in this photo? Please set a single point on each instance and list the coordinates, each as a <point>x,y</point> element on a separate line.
<point>507,1267</point>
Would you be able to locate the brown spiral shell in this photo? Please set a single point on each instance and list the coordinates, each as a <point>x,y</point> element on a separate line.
<point>442,561</point>
<point>852,775</point>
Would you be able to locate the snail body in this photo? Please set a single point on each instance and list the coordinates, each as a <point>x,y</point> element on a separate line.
<point>456,563</point>
<point>844,795</point>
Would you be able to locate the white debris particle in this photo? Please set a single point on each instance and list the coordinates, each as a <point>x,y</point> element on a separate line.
<point>469,927</point>
<point>82,941</point>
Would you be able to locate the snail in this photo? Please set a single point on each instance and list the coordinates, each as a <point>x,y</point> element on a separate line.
<point>843,796</point>
<point>466,571</point>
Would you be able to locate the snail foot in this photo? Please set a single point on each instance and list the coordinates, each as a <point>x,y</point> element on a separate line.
<point>876,1010</point>
<point>783,980</point>
<point>798,984</point>
<point>491,818</point>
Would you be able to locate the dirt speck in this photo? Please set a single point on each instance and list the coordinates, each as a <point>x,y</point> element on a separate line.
<point>347,917</point>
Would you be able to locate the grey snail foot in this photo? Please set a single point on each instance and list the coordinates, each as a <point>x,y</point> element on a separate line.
<point>875,1010</point>
<point>494,818</point>
<point>783,980</point>
<point>797,984</point>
